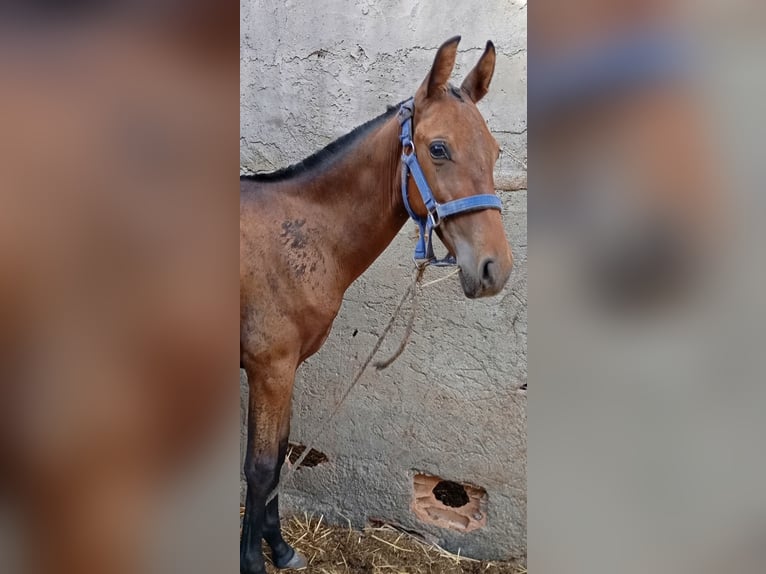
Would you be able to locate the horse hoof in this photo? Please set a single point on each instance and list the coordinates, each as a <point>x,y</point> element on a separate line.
<point>296,562</point>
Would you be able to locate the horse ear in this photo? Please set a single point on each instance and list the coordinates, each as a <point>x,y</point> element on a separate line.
<point>476,83</point>
<point>444,61</point>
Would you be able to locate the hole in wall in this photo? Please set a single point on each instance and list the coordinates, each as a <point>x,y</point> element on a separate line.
<point>313,458</point>
<point>449,504</point>
<point>451,494</point>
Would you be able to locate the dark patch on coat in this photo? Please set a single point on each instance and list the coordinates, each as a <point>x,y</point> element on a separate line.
<point>299,269</point>
<point>292,232</point>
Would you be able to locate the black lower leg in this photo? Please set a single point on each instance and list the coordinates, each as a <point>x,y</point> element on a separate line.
<point>250,552</point>
<point>260,475</point>
<point>281,551</point>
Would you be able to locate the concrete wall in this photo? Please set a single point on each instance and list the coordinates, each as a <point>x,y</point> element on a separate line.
<point>313,70</point>
<point>451,405</point>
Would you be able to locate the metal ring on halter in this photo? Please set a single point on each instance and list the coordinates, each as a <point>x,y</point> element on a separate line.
<point>408,144</point>
<point>433,216</point>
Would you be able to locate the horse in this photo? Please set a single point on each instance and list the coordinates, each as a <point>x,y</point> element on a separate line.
<point>309,230</point>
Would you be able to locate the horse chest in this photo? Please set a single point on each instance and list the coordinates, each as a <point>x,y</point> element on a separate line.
<point>314,342</point>
<point>314,324</point>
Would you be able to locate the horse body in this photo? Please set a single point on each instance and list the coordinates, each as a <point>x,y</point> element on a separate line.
<point>305,240</point>
<point>295,248</point>
<point>308,232</point>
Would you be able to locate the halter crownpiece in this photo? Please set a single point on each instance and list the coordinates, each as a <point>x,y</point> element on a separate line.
<point>424,252</point>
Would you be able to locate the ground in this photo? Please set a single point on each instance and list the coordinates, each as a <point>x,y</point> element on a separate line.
<point>339,550</point>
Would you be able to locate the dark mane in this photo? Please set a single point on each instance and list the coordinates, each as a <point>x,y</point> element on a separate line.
<point>326,153</point>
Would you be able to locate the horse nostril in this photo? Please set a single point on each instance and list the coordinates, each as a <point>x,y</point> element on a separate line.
<point>488,269</point>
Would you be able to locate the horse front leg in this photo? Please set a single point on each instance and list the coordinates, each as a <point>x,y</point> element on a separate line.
<point>283,555</point>
<point>268,430</point>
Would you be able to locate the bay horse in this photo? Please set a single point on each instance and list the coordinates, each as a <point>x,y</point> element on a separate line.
<point>308,231</point>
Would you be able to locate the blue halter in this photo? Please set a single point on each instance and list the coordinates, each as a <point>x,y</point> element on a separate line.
<point>424,252</point>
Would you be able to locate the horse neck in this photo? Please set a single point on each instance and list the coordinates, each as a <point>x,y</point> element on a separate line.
<point>361,201</point>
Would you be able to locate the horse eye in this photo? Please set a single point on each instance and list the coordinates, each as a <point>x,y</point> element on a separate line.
<point>439,150</point>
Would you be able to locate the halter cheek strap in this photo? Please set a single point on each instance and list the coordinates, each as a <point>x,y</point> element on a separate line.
<point>424,253</point>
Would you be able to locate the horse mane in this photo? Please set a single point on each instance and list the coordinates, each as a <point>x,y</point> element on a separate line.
<point>325,154</point>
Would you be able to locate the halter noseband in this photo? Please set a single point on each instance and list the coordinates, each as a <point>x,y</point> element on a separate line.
<point>424,252</point>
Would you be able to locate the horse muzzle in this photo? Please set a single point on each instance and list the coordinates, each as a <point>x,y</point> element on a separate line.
<point>486,277</point>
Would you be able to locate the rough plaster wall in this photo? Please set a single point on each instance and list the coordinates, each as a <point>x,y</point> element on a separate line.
<point>313,70</point>
<point>451,405</point>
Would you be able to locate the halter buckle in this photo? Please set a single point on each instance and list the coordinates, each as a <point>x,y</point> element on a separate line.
<point>446,261</point>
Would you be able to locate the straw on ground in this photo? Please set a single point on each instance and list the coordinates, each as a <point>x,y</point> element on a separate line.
<point>377,550</point>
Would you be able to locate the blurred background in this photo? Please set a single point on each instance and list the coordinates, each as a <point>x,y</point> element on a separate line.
<point>118,242</point>
<point>645,224</point>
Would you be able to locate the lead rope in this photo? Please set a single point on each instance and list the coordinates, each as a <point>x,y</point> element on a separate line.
<point>410,294</point>
<point>380,365</point>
